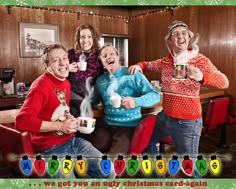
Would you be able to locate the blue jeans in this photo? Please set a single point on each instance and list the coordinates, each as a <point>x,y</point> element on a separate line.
<point>185,134</point>
<point>78,146</point>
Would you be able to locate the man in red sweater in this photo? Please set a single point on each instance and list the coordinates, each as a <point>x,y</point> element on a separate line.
<point>181,117</point>
<point>45,114</point>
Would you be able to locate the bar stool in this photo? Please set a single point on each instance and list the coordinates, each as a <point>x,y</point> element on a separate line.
<point>142,135</point>
<point>216,114</point>
<point>216,117</point>
<point>13,145</point>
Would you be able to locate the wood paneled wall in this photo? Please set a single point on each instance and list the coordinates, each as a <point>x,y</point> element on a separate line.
<point>216,26</point>
<point>28,69</point>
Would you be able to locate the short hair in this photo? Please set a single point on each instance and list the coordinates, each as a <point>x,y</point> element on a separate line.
<point>108,45</point>
<point>95,37</point>
<point>48,49</point>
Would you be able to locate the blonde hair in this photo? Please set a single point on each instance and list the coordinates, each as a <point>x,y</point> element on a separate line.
<point>108,45</point>
<point>48,49</point>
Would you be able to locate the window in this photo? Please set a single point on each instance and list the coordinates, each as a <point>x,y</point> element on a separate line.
<point>120,42</point>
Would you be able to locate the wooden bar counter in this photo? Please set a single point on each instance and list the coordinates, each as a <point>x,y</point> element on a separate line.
<point>6,102</point>
<point>206,92</point>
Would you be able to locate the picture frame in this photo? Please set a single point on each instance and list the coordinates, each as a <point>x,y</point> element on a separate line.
<point>35,37</point>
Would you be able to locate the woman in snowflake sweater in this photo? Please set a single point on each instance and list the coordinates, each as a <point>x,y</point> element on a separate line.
<point>181,117</point>
<point>86,49</point>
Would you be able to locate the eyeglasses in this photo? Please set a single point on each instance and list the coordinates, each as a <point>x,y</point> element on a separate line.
<point>178,34</point>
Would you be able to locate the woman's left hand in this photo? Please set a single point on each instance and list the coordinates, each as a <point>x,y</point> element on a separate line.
<point>195,73</point>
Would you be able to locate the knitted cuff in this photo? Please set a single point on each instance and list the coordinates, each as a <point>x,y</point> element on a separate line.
<point>205,79</point>
<point>142,65</point>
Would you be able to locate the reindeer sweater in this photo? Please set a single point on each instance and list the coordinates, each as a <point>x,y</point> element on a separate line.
<point>48,100</point>
<point>181,97</point>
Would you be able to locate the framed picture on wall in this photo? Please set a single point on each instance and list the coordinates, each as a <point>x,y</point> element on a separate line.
<point>35,37</point>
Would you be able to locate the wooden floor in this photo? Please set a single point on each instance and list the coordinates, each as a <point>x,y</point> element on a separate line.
<point>208,146</point>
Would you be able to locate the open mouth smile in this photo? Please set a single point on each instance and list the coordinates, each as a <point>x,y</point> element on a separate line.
<point>110,63</point>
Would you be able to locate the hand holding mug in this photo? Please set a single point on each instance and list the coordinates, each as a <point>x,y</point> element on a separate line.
<point>73,67</point>
<point>128,102</point>
<point>195,73</point>
<point>69,125</point>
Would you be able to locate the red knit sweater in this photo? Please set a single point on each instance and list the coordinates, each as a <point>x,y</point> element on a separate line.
<point>42,103</point>
<point>181,97</point>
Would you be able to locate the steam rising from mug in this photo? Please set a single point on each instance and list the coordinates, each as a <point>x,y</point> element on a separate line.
<point>85,107</point>
<point>111,91</point>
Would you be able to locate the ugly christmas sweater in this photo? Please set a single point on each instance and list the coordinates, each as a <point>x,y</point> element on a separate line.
<point>181,97</point>
<point>48,100</point>
<point>123,84</point>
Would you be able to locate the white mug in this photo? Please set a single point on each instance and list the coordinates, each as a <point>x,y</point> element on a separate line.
<point>82,66</point>
<point>115,101</point>
<point>86,125</point>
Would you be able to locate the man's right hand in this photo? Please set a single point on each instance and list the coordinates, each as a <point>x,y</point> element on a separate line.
<point>69,125</point>
<point>134,68</point>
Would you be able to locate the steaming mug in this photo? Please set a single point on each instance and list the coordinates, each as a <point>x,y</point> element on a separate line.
<point>180,71</point>
<point>82,66</point>
<point>115,101</point>
<point>86,125</point>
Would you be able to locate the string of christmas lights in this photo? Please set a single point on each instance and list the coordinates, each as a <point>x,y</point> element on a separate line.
<point>91,13</point>
<point>222,157</point>
<point>119,165</point>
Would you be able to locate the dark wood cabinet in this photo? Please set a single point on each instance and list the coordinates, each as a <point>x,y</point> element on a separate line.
<point>11,102</point>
